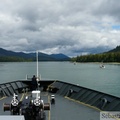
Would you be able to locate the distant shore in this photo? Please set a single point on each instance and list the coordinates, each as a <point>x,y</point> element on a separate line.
<point>112,63</point>
<point>117,63</point>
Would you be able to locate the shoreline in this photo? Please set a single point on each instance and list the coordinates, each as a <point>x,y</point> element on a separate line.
<point>114,63</point>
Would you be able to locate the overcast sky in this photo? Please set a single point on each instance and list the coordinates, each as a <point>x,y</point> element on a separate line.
<point>59,26</point>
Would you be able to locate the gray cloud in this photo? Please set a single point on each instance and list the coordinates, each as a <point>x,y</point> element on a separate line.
<point>109,7</point>
<point>56,26</point>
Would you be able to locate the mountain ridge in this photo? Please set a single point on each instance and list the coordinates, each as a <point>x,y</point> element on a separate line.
<point>117,49</point>
<point>32,56</point>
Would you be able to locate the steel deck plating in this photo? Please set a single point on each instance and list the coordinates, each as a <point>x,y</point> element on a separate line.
<point>63,109</point>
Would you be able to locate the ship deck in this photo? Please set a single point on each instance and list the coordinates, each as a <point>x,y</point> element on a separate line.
<point>63,109</point>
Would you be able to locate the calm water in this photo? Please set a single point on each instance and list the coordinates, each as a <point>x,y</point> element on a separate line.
<point>85,74</point>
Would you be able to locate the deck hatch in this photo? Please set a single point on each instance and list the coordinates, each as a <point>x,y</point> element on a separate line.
<point>5,90</point>
<point>90,97</point>
<point>14,86</point>
<point>57,85</point>
<point>63,90</point>
<point>81,93</point>
<point>10,89</point>
<point>85,96</point>
<point>1,92</point>
<point>96,101</point>
<point>19,84</point>
<point>24,85</point>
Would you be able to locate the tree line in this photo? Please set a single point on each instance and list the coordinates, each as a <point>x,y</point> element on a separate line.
<point>13,59</point>
<point>104,57</point>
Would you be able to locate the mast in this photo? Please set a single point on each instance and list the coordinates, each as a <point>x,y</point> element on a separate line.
<point>37,63</point>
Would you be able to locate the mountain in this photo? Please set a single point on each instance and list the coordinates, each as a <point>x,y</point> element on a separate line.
<point>117,49</point>
<point>6,54</point>
<point>60,56</point>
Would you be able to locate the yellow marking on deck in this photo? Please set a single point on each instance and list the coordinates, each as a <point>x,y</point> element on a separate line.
<point>83,104</point>
<point>3,98</point>
<point>49,115</point>
<point>51,85</point>
<point>22,96</point>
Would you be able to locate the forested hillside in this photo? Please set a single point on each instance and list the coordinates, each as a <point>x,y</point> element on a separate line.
<point>110,56</point>
<point>117,49</point>
<point>14,59</point>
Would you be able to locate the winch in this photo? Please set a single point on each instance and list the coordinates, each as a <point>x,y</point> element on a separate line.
<point>32,107</point>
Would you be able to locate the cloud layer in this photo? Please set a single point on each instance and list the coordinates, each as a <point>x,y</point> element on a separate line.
<point>59,26</point>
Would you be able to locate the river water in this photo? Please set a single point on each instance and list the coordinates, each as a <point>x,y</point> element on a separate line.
<point>89,75</point>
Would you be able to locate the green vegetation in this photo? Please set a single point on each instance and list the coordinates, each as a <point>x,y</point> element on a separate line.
<point>117,49</point>
<point>106,57</point>
<point>111,56</point>
<point>13,59</point>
